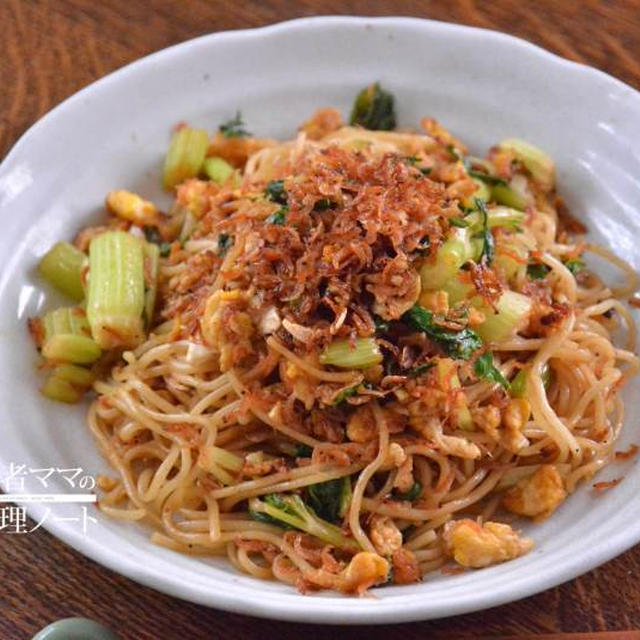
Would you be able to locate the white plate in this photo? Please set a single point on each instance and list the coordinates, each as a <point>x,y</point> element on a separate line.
<point>483,85</point>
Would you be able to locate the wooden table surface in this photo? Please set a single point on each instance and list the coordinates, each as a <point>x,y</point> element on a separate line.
<point>50,49</point>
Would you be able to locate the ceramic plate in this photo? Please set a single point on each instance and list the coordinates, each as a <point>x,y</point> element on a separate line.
<point>484,86</point>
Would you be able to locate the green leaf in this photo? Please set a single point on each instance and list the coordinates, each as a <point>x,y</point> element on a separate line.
<point>537,270</point>
<point>374,109</point>
<point>225,242</point>
<point>484,368</point>
<point>258,516</point>
<point>459,222</point>
<point>234,128</point>
<point>485,177</point>
<point>349,392</point>
<point>575,265</point>
<point>323,204</point>
<point>420,369</point>
<point>382,326</point>
<point>327,498</point>
<point>279,217</point>
<point>488,245</point>
<point>303,451</point>
<point>411,495</point>
<point>275,191</point>
<point>457,344</point>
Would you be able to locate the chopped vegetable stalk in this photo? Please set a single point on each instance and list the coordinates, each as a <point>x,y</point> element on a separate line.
<point>458,290</point>
<point>67,337</point>
<point>75,375</point>
<point>116,290</point>
<point>290,510</point>
<point>518,386</point>
<point>186,154</point>
<point>151,260</point>
<point>60,390</point>
<point>65,320</point>
<point>511,258</point>
<point>363,354</point>
<point>537,162</point>
<point>482,192</point>
<point>62,266</point>
<point>330,500</point>
<point>498,216</point>
<point>374,109</point>
<point>449,380</point>
<point>220,171</point>
<point>453,253</point>
<point>504,194</point>
<point>504,217</point>
<point>512,313</point>
<point>457,344</point>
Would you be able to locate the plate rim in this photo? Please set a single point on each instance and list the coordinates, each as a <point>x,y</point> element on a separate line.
<point>311,609</point>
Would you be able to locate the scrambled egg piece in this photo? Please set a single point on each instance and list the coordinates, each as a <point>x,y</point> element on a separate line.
<point>298,383</point>
<point>364,570</point>
<point>475,545</point>
<point>227,328</point>
<point>537,496</point>
<point>385,535</point>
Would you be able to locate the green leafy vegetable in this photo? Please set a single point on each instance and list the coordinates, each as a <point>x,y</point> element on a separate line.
<point>153,235</point>
<point>303,451</point>
<point>483,367</point>
<point>279,217</point>
<point>275,191</point>
<point>485,177</point>
<point>411,495</point>
<point>234,128</point>
<point>575,265</point>
<point>374,109</point>
<point>420,369</point>
<point>457,344</point>
<point>225,242</point>
<point>456,156</point>
<point>537,270</point>
<point>330,500</point>
<point>349,392</point>
<point>382,326</point>
<point>323,204</point>
<point>459,222</point>
<point>488,245</point>
<point>289,510</point>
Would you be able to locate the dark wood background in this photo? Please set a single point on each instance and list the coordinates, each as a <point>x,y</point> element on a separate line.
<point>51,48</point>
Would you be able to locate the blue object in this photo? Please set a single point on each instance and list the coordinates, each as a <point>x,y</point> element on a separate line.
<point>75,629</point>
